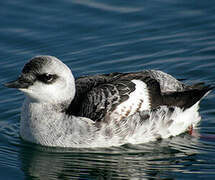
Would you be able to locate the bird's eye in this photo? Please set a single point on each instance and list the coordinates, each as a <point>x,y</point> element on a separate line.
<point>47,78</point>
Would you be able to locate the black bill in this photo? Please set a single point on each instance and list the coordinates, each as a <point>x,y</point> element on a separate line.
<point>20,83</point>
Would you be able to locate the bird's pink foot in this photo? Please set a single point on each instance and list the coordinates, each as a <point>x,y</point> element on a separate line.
<point>190,129</point>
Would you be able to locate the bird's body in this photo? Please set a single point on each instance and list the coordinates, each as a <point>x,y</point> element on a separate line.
<point>103,110</point>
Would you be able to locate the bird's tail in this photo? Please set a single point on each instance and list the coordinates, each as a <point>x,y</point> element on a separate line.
<point>186,99</point>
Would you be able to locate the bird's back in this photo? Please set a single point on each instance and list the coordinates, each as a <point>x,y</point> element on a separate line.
<point>98,97</point>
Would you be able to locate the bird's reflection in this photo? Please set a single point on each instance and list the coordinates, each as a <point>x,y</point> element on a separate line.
<point>151,160</point>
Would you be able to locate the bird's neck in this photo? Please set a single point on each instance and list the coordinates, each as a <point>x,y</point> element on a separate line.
<point>38,117</point>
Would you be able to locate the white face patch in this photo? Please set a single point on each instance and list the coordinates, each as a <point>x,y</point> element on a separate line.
<point>138,100</point>
<point>61,90</point>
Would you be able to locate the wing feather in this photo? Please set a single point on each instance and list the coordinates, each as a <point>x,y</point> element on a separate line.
<point>116,96</point>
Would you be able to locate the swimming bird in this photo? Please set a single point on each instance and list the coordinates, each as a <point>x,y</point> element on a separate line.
<point>103,110</point>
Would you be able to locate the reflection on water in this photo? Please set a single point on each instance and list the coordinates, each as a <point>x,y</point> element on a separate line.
<point>159,159</point>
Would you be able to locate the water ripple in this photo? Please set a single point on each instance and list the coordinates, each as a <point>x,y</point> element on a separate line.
<point>93,37</point>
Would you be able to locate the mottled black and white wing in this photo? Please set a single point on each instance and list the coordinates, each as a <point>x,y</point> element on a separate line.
<point>104,99</point>
<point>122,97</point>
<point>84,85</point>
<point>119,95</point>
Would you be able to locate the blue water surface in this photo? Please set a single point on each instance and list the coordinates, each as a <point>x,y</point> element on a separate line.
<point>97,36</point>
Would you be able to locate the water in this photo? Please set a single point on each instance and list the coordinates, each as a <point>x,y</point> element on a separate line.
<point>96,36</point>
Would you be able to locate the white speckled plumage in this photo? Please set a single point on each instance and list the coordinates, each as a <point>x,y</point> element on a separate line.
<point>133,120</point>
<point>138,101</point>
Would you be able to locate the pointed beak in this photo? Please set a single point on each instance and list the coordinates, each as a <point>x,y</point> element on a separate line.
<point>13,84</point>
<point>20,83</point>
